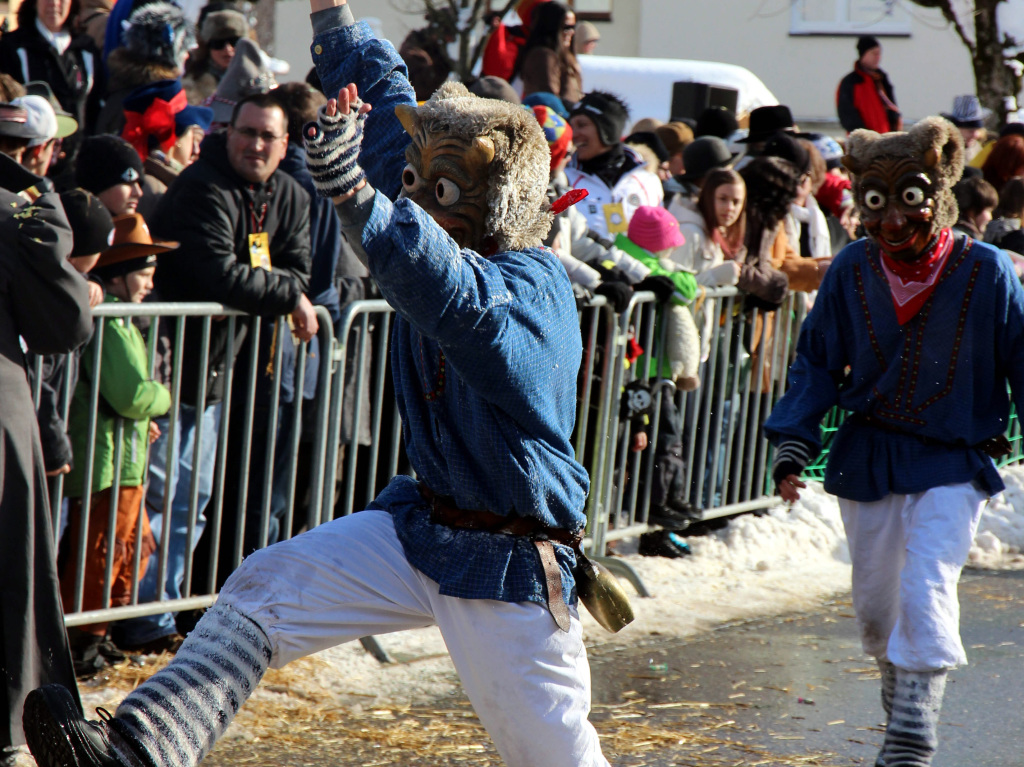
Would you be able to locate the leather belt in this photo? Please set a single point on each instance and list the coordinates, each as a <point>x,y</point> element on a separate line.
<point>994,447</point>
<point>444,511</point>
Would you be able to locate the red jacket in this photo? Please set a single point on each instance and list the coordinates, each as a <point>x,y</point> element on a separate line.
<point>861,102</point>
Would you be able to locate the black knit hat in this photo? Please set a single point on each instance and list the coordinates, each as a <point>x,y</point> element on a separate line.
<point>716,121</point>
<point>91,224</point>
<point>105,161</point>
<point>865,43</point>
<point>608,112</point>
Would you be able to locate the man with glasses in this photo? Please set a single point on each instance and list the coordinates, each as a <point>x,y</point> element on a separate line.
<point>243,229</point>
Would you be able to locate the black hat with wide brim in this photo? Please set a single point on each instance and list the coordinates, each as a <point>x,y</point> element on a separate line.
<point>765,122</point>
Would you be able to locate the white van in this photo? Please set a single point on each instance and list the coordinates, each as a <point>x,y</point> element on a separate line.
<point>646,84</point>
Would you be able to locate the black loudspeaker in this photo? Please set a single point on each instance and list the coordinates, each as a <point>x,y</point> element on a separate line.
<point>690,99</point>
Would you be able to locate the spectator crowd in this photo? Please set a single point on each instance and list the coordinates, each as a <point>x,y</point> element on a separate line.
<point>161,161</point>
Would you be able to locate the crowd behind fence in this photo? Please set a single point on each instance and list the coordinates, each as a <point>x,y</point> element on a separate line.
<point>335,451</point>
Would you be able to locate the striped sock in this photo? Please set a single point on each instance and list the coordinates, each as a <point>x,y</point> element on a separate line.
<point>911,737</point>
<point>178,714</point>
<point>888,673</point>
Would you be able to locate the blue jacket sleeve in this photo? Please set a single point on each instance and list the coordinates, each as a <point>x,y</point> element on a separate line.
<point>815,374</point>
<point>1009,346</point>
<point>347,52</point>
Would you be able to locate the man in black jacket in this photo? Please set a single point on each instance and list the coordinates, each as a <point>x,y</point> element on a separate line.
<point>243,229</point>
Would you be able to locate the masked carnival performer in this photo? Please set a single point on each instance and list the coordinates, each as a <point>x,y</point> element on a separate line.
<point>915,333</point>
<point>446,203</point>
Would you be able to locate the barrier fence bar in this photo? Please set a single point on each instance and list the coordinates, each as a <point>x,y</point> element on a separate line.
<point>352,436</point>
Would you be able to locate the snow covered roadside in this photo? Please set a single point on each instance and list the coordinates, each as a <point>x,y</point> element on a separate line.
<point>786,560</point>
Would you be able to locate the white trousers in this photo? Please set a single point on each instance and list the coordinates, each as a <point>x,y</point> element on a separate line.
<point>907,553</point>
<point>528,681</point>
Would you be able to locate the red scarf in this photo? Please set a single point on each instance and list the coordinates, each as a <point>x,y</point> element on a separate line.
<point>912,283</point>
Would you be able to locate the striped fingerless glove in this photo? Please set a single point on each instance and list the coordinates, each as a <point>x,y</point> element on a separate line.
<point>332,151</point>
<point>791,457</point>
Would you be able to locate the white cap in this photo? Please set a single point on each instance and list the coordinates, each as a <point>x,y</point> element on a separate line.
<point>42,120</point>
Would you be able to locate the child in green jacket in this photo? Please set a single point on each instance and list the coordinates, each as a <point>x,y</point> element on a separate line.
<point>127,393</point>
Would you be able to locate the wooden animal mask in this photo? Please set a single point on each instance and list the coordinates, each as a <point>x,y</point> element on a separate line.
<point>479,167</point>
<point>903,183</point>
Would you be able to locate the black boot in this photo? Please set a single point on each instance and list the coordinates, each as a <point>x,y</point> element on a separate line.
<point>911,737</point>
<point>58,736</point>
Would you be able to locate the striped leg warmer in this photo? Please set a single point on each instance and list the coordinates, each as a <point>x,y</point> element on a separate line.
<point>178,714</point>
<point>911,737</point>
<point>888,673</point>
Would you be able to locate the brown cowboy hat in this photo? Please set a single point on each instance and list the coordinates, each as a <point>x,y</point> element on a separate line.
<point>132,241</point>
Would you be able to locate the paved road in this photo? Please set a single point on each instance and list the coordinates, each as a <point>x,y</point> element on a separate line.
<point>785,691</point>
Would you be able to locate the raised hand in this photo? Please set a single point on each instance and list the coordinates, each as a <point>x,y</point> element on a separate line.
<point>333,143</point>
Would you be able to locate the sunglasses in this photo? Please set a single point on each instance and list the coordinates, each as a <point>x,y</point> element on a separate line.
<point>568,27</point>
<point>217,45</point>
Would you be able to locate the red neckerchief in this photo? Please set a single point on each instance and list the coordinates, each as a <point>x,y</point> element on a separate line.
<point>912,283</point>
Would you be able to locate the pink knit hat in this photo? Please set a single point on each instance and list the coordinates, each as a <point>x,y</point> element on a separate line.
<point>654,229</point>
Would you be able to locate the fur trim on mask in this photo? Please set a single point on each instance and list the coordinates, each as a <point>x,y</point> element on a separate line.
<point>518,214</point>
<point>934,142</point>
<point>160,32</point>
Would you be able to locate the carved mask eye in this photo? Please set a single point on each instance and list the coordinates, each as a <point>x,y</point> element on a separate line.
<point>913,195</point>
<point>874,200</point>
<point>410,178</point>
<point>447,192</point>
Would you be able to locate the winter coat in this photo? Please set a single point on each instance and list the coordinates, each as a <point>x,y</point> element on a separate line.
<point>208,210</point>
<point>126,391</point>
<point>682,352</point>
<point>703,257</point>
<point>617,177</point>
<point>544,71</point>
<point>811,217</point>
<point>45,308</point>
<point>998,228</point>
<point>860,105</point>
<point>159,173</point>
<point>76,77</point>
<point>126,72</point>
<point>586,256</point>
<point>201,84</point>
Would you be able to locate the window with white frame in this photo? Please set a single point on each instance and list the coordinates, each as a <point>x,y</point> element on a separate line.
<point>848,17</point>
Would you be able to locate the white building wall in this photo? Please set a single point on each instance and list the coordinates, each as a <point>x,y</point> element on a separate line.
<point>927,69</point>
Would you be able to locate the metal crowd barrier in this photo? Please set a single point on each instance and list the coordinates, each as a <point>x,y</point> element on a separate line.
<point>351,433</point>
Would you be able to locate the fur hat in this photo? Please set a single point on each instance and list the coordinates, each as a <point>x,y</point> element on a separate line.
<point>223,25</point>
<point>518,215</point>
<point>934,142</point>
<point>159,32</point>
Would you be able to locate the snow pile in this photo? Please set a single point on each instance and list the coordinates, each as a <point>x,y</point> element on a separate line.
<point>1000,535</point>
<point>787,559</point>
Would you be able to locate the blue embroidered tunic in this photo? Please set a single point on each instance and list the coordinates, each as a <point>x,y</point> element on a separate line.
<point>485,355</point>
<point>943,375</point>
